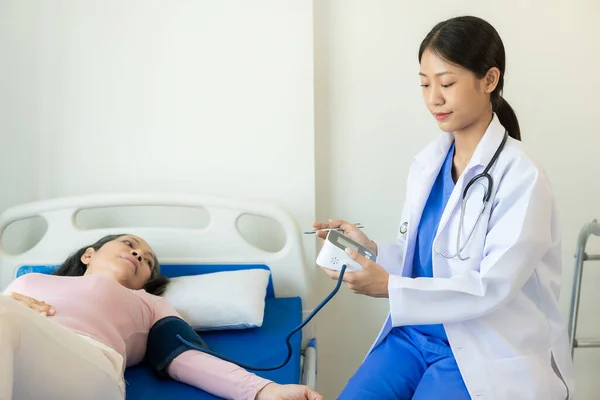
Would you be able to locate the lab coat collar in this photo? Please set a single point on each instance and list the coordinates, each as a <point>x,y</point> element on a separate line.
<point>483,153</point>
<point>488,144</point>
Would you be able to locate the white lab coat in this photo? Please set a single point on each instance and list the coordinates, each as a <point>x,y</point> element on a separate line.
<point>499,308</point>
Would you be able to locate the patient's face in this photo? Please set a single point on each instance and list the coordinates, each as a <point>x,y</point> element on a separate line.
<point>128,259</point>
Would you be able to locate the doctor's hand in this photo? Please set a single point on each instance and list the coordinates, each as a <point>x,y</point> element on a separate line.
<point>274,391</point>
<point>36,305</point>
<point>372,280</point>
<point>349,230</point>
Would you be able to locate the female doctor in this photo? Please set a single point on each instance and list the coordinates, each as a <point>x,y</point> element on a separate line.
<point>474,277</point>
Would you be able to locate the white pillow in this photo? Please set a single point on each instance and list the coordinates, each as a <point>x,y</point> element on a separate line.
<point>220,300</point>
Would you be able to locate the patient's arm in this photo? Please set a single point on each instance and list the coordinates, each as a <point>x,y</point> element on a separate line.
<point>225,379</point>
<point>209,373</point>
<point>215,376</point>
<point>230,381</point>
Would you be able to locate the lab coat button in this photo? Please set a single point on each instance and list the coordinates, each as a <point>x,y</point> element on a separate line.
<point>404,228</point>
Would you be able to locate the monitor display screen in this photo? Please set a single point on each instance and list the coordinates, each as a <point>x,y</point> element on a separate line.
<point>342,240</point>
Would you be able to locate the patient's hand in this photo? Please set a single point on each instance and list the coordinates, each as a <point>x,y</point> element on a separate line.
<point>36,305</point>
<point>274,391</point>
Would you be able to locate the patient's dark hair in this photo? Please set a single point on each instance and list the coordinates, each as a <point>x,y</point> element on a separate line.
<point>73,266</point>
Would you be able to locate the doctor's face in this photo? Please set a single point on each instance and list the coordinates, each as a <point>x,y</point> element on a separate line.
<point>454,96</point>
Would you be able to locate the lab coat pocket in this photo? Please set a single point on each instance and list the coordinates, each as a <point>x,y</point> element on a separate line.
<point>518,378</point>
<point>527,377</point>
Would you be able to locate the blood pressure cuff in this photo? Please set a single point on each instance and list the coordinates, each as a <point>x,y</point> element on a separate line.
<point>164,345</point>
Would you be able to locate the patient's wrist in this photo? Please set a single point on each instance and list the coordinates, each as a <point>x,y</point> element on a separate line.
<point>265,392</point>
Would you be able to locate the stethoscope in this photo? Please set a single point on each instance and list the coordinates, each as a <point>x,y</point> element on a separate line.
<point>486,198</point>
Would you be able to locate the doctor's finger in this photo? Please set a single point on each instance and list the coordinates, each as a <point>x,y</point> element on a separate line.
<point>356,288</point>
<point>321,225</point>
<point>356,256</point>
<point>332,274</point>
<point>321,234</point>
<point>345,225</point>
<point>352,278</point>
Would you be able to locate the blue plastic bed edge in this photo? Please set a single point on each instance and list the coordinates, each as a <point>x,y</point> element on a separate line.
<point>171,270</point>
<point>313,343</point>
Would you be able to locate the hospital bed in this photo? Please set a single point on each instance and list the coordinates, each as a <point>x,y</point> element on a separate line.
<point>187,251</point>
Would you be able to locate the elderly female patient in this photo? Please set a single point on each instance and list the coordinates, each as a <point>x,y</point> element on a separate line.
<point>101,304</point>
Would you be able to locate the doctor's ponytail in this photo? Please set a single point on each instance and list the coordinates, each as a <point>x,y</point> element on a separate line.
<point>474,44</point>
<point>506,115</point>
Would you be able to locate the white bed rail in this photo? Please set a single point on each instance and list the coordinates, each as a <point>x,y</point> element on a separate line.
<point>219,242</point>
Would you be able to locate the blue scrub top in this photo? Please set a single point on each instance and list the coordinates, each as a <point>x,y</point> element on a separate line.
<point>432,214</point>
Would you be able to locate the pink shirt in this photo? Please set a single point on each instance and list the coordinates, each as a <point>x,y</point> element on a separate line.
<point>101,308</point>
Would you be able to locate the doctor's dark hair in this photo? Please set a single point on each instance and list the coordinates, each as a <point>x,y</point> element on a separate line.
<point>475,45</point>
<point>73,266</point>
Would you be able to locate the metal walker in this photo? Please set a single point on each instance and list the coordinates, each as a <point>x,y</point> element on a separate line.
<point>593,228</point>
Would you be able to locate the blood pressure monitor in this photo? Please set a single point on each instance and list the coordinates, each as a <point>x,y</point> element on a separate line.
<point>333,253</point>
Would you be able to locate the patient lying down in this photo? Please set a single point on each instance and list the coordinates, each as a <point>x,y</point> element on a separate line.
<point>101,304</point>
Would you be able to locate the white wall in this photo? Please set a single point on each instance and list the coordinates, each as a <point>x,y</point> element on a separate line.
<point>137,95</point>
<point>371,120</point>
<point>19,116</point>
<point>19,112</point>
